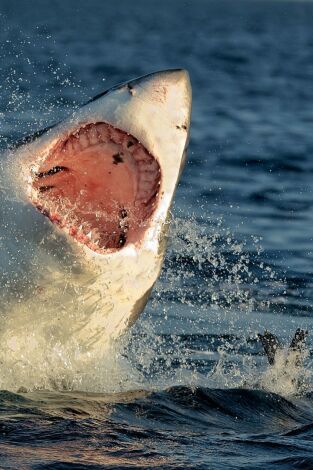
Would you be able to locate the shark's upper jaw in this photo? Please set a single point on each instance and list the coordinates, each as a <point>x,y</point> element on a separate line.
<point>107,175</point>
<point>100,185</point>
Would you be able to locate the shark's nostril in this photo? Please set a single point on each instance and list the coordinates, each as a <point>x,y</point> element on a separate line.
<point>101,181</point>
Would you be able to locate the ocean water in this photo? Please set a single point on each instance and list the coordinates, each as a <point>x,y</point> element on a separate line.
<point>189,385</point>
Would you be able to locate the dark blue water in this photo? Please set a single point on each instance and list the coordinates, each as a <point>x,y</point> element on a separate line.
<point>191,387</point>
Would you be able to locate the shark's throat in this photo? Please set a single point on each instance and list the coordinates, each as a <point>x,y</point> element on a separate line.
<point>100,185</point>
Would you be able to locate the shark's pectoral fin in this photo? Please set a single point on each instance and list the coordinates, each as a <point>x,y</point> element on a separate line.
<point>298,341</point>
<point>270,344</point>
<point>297,345</point>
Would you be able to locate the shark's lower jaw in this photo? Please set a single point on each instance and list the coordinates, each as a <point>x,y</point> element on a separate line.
<point>100,185</point>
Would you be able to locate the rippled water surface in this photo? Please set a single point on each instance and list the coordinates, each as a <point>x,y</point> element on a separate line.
<point>189,386</point>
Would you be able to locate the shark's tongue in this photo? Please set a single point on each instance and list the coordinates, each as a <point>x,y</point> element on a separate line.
<point>101,185</point>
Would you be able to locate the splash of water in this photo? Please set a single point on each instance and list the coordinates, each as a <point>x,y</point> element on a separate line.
<point>45,361</point>
<point>24,79</point>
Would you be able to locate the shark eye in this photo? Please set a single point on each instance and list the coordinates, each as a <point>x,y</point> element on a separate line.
<point>101,185</point>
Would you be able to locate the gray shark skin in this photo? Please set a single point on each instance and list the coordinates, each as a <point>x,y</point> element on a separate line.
<point>84,209</point>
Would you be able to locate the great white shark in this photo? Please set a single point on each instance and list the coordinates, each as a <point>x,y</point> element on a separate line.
<point>84,209</point>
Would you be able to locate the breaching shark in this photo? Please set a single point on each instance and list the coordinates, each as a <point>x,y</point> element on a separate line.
<point>84,212</point>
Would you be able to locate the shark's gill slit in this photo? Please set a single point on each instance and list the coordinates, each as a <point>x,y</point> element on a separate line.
<point>100,185</point>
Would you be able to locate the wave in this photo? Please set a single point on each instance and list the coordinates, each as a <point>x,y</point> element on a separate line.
<point>156,429</point>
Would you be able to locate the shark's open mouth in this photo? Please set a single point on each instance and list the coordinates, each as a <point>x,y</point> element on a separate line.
<point>100,184</point>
